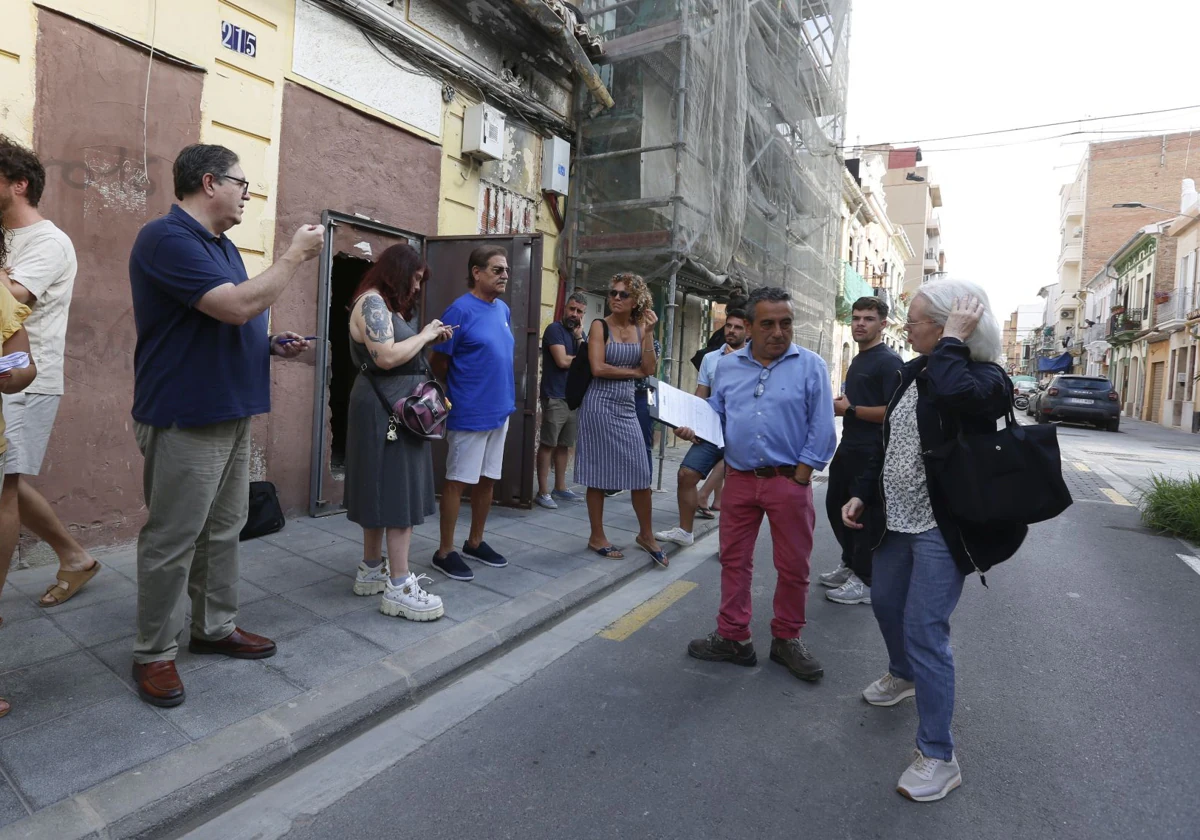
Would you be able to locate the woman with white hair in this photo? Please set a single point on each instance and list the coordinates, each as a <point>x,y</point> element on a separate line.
<point>926,553</point>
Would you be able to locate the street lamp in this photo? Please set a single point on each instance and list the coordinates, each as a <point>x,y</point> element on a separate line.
<point>1130,205</point>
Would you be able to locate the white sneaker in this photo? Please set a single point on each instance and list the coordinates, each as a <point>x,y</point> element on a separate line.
<point>835,578</point>
<point>368,581</point>
<point>929,779</point>
<point>853,591</point>
<point>675,535</point>
<point>888,691</point>
<point>411,601</point>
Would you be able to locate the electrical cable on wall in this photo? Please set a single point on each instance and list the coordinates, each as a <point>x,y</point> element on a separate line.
<point>146,101</point>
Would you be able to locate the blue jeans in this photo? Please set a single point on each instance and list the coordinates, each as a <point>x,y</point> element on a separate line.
<point>915,587</point>
<point>641,402</point>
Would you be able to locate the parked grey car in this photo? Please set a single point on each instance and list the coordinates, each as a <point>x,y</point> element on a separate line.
<point>1079,399</point>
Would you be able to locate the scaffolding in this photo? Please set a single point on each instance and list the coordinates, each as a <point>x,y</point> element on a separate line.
<point>719,166</point>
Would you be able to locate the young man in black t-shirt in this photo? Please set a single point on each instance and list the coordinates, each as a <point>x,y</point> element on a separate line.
<point>870,382</point>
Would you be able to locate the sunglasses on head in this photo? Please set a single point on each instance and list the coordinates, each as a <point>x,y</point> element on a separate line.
<point>617,293</point>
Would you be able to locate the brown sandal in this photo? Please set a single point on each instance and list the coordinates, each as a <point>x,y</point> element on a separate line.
<point>67,585</point>
<point>5,708</point>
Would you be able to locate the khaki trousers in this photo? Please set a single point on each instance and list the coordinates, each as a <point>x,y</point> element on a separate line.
<point>197,488</point>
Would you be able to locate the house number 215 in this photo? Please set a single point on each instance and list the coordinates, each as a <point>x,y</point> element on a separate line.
<point>238,39</point>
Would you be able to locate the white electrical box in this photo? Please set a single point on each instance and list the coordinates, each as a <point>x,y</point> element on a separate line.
<point>483,133</point>
<point>556,165</point>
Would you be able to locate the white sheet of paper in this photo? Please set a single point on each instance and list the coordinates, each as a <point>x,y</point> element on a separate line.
<point>679,408</point>
<point>14,361</point>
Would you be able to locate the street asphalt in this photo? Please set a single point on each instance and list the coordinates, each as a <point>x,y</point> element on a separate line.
<point>1076,718</point>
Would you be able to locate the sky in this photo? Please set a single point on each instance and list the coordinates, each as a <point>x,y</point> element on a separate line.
<point>929,68</point>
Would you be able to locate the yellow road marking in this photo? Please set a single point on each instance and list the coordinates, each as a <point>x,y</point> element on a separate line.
<point>1082,467</point>
<point>1116,497</point>
<point>637,618</point>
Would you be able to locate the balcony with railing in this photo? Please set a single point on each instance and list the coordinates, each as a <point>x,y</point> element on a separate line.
<point>1172,313</point>
<point>1123,326</point>
<point>1096,332</point>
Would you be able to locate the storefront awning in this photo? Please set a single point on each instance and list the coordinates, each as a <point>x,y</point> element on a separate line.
<point>1055,364</point>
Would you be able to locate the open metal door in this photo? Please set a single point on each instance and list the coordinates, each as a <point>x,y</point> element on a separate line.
<point>447,257</point>
<point>345,236</point>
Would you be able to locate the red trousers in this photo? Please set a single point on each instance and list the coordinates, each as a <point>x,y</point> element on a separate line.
<point>789,510</point>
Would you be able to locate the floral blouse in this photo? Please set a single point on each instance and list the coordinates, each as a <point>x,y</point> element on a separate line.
<point>905,489</point>
<point>12,315</point>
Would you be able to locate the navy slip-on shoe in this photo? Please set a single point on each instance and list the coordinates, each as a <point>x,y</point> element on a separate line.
<point>485,554</point>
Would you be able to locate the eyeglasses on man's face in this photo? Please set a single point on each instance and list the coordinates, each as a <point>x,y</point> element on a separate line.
<point>618,293</point>
<point>498,270</point>
<point>908,325</point>
<point>242,182</point>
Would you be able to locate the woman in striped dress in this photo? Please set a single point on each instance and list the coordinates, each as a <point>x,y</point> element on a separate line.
<point>609,453</point>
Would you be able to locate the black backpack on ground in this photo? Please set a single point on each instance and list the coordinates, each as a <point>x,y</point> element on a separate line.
<point>266,516</point>
<point>579,374</point>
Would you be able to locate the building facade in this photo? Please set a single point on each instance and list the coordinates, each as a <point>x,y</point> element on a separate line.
<point>913,198</point>
<point>350,112</point>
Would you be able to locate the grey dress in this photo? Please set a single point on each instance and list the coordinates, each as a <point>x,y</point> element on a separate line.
<point>389,484</point>
<point>610,452</point>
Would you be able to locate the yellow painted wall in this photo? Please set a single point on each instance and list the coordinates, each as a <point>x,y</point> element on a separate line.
<point>242,95</point>
<point>458,213</point>
<point>18,37</point>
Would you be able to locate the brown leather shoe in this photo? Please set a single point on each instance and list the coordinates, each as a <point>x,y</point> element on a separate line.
<point>158,683</point>
<point>239,644</point>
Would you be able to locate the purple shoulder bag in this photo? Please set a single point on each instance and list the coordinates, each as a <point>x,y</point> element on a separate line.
<point>422,413</point>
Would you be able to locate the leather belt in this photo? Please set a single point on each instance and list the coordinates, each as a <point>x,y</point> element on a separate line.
<point>770,472</point>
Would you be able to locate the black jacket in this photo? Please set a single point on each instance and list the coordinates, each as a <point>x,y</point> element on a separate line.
<point>952,390</point>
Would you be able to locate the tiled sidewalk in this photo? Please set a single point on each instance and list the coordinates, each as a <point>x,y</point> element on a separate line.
<point>77,721</point>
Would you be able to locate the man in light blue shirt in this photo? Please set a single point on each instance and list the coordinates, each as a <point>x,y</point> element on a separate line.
<point>776,406</point>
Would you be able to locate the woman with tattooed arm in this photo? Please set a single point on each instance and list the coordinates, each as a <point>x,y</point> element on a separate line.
<point>389,483</point>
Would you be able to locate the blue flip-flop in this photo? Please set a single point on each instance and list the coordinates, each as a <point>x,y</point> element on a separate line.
<point>658,557</point>
<point>608,551</point>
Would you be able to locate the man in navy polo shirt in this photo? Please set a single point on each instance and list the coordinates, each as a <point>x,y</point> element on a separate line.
<point>201,371</point>
<point>477,366</point>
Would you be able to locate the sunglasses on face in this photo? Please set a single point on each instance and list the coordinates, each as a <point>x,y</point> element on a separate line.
<point>617,293</point>
<point>498,270</point>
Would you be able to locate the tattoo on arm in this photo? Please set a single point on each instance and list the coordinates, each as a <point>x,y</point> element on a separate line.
<point>377,320</point>
<point>374,355</point>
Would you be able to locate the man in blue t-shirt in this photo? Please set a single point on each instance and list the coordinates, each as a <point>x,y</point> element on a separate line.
<point>477,366</point>
<point>560,343</point>
<point>201,371</point>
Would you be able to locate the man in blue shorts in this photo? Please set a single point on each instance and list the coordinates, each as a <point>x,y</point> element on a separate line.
<point>477,366</point>
<point>703,456</point>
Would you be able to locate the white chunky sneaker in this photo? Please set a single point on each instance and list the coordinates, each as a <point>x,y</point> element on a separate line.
<point>368,581</point>
<point>675,535</point>
<point>853,591</point>
<point>888,691</point>
<point>835,578</point>
<point>411,601</point>
<point>929,779</point>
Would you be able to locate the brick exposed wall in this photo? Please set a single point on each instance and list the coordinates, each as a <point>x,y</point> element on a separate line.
<point>1144,169</point>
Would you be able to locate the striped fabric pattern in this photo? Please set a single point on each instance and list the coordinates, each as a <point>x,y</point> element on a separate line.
<point>610,454</point>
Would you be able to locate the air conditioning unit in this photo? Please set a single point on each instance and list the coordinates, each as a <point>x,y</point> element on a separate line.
<point>1067,315</point>
<point>556,165</point>
<point>483,133</point>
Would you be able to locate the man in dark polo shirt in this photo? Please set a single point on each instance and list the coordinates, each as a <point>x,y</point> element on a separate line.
<point>871,380</point>
<point>201,371</point>
<point>559,344</point>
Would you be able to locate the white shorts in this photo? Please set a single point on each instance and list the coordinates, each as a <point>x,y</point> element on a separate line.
<point>473,454</point>
<point>29,419</point>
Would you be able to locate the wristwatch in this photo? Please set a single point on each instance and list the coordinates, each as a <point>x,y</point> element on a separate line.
<point>851,411</point>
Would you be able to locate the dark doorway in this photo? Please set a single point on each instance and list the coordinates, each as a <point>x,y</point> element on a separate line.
<point>347,272</point>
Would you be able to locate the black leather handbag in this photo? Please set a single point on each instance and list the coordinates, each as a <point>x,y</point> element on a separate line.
<point>1011,475</point>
